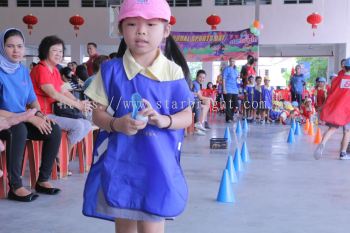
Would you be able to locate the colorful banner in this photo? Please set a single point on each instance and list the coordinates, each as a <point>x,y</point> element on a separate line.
<point>217,45</point>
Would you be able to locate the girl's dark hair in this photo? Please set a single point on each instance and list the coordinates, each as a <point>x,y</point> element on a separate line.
<point>46,44</point>
<point>171,51</point>
<point>200,72</point>
<point>258,77</point>
<point>209,84</point>
<point>121,49</point>
<point>97,62</point>
<point>12,32</point>
<point>81,72</point>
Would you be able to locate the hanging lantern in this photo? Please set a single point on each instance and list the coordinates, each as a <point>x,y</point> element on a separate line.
<point>314,19</point>
<point>76,21</point>
<point>213,21</point>
<point>30,20</point>
<point>172,20</point>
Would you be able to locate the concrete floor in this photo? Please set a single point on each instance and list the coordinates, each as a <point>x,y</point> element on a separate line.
<point>282,190</point>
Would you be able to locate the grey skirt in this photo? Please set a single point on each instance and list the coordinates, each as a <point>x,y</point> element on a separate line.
<point>137,215</point>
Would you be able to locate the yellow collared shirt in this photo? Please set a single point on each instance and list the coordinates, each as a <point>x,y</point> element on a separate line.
<point>161,70</point>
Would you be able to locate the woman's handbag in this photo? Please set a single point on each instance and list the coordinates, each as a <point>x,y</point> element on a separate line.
<point>64,110</point>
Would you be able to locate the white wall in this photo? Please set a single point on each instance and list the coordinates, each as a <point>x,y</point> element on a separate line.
<point>283,24</point>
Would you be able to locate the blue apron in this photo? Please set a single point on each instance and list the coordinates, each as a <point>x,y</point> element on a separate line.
<point>139,172</point>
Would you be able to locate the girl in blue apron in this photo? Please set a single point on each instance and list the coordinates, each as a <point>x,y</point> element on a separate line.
<point>136,179</point>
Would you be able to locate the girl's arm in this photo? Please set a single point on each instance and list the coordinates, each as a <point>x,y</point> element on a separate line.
<point>124,124</point>
<point>178,120</point>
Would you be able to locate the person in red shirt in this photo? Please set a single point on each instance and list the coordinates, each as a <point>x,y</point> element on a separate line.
<point>336,113</point>
<point>47,85</point>
<point>92,52</point>
<point>342,71</point>
<point>248,70</point>
<point>320,93</point>
<point>307,110</point>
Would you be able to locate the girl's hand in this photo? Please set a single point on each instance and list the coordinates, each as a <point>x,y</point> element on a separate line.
<point>43,125</point>
<point>127,125</point>
<point>154,118</point>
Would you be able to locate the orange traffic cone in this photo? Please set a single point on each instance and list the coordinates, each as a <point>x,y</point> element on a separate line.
<point>307,125</point>
<point>311,130</point>
<point>318,137</point>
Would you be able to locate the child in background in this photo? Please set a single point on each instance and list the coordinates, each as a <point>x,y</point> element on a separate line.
<point>287,113</point>
<point>220,93</point>
<point>307,110</point>
<point>267,94</point>
<point>297,114</point>
<point>275,112</point>
<point>258,103</point>
<point>249,97</point>
<point>137,180</point>
<point>320,93</point>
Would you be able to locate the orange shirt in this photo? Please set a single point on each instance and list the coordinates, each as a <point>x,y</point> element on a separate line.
<point>42,75</point>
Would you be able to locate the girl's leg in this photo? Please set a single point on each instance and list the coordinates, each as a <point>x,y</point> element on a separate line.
<point>345,140</point>
<point>326,136</point>
<point>150,227</point>
<point>125,226</point>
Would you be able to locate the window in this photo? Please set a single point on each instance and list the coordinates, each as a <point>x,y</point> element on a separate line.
<point>100,3</point>
<point>266,73</point>
<point>42,3</point>
<point>240,2</point>
<point>297,1</point>
<point>3,3</point>
<point>184,3</point>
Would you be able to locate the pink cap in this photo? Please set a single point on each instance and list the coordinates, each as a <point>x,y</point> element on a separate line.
<point>147,9</point>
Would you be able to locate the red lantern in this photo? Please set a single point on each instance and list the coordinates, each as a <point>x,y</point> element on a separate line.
<point>314,19</point>
<point>213,21</point>
<point>30,20</point>
<point>76,21</point>
<point>172,20</point>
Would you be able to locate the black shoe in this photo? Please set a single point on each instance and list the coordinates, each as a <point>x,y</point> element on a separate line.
<point>29,198</point>
<point>49,191</point>
<point>229,121</point>
<point>206,125</point>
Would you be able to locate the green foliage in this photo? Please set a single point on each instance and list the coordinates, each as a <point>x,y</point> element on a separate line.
<point>194,67</point>
<point>286,76</point>
<point>318,68</point>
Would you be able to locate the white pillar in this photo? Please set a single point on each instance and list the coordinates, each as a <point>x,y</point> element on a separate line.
<point>76,52</point>
<point>208,67</point>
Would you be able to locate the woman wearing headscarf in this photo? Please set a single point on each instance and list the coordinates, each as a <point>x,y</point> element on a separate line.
<point>16,95</point>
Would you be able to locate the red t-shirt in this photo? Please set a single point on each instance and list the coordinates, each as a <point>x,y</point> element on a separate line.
<point>307,113</point>
<point>321,95</point>
<point>89,65</point>
<point>337,109</point>
<point>42,75</point>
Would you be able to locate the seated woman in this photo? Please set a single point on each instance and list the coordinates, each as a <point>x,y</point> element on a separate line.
<point>47,84</point>
<point>16,95</point>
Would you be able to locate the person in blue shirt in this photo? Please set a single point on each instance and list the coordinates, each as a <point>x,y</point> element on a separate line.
<point>136,179</point>
<point>230,89</point>
<point>16,95</point>
<point>202,104</point>
<point>297,83</point>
